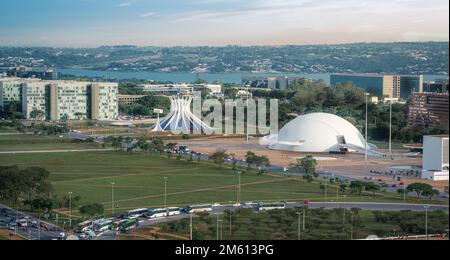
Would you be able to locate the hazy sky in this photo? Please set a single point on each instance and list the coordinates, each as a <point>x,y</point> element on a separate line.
<point>87,23</point>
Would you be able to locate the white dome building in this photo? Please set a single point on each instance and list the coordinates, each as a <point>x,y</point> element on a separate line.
<point>317,133</point>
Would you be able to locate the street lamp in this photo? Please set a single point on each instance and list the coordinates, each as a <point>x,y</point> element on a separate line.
<point>112,198</point>
<point>367,123</point>
<point>217,227</point>
<point>70,209</point>
<point>351,228</point>
<point>239,188</point>
<point>426,219</point>
<point>304,218</point>
<point>190,226</point>
<point>299,225</point>
<point>165,193</point>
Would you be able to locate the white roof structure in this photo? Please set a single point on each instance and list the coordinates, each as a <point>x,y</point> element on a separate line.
<point>317,133</point>
<point>181,118</point>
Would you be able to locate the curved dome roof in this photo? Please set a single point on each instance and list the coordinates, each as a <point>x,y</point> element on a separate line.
<point>318,132</point>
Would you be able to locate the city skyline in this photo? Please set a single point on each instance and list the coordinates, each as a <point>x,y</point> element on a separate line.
<point>91,23</point>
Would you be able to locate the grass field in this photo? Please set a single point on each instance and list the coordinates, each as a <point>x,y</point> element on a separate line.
<point>139,180</point>
<point>385,145</point>
<point>35,143</point>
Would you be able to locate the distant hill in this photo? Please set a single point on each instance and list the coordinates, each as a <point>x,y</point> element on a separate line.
<point>408,58</point>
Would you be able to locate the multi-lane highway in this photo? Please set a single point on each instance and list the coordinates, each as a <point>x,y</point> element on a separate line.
<point>35,229</point>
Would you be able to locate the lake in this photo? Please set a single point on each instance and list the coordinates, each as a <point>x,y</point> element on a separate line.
<point>180,77</point>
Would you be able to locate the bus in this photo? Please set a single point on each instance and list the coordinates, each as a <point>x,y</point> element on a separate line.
<point>160,213</point>
<point>84,226</point>
<point>271,206</point>
<point>103,225</point>
<point>135,213</point>
<point>199,208</point>
<point>128,225</point>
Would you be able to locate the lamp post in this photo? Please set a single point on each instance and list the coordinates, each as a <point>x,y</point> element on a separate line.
<point>367,132</point>
<point>112,199</point>
<point>231,226</point>
<point>217,227</point>
<point>165,193</point>
<point>351,228</point>
<point>404,193</point>
<point>70,209</point>
<point>304,218</point>
<point>337,194</point>
<point>426,220</point>
<point>239,188</point>
<point>299,232</point>
<point>190,226</point>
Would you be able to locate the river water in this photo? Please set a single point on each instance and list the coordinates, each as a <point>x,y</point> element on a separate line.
<point>180,77</point>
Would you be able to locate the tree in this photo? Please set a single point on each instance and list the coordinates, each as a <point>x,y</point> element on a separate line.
<point>219,157</point>
<point>170,147</point>
<point>419,188</point>
<point>307,164</point>
<point>430,193</point>
<point>37,115</point>
<point>44,203</point>
<point>92,210</point>
<point>157,145</point>
<point>16,182</point>
<point>357,187</point>
<point>234,161</point>
<point>250,158</point>
<point>343,187</point>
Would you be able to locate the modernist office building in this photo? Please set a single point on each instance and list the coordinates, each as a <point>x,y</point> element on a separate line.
<point>62,100</point>
<point>391,86</point>
<point>429,110</point>
<point>435,158</point>
<point>281,83</point>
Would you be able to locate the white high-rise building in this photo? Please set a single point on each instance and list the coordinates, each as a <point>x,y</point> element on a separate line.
<point>62,100</point>
<point>435,158</point>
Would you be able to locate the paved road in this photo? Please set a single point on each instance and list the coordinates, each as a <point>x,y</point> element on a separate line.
<point>57,151</point>
<point>32,232</point>
<point>378,206</point>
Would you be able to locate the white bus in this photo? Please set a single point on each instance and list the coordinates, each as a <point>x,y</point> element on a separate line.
<point>136,213</point>
<point>161,213</point>
<point>174,211</point>
<point>103,225</point>
<point>271,206</point>
<point>199,208</point>
<point>84,226</point>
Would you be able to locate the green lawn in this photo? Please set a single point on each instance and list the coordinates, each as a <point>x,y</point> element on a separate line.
<point>385,145</point>
<point>35,143</point>
<point>139,180</point>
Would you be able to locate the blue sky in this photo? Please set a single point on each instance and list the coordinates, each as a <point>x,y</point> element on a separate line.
<point>88,23</point>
